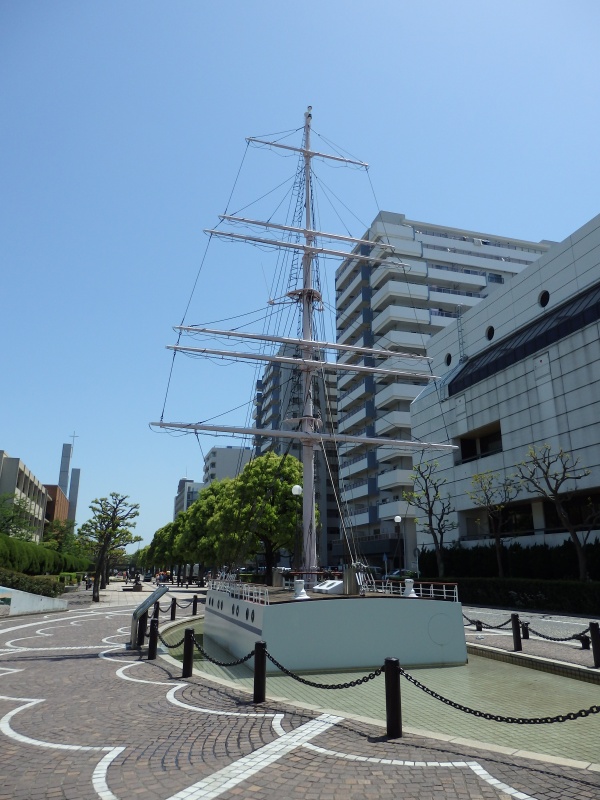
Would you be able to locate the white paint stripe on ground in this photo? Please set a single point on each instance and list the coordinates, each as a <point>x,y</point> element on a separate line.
<point>182,704</point>
<point>394,762</point>
<point>99,775</point>
<point>244,768</point>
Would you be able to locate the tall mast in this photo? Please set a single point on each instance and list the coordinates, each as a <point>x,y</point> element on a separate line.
<point>309,558</point>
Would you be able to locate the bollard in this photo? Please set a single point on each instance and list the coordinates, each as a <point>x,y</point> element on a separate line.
<point>141,631</point>
<point>393,707</point>
<point>195,605</point>
<point>585,641</point>
<point>478,625</point>
<point>525,630</point>
<point>516,631</point>
<point>156,611</point>
<point>173,608</point>
<point>153,639</point>
<point>260,671</point>
<point>188,653</point>
<point>595,637</point>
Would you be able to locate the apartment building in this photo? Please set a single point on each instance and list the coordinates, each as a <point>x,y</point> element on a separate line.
<point>187,493</point>
<point>16,479</point>
<point>437,274</point>
<point>225,462</point>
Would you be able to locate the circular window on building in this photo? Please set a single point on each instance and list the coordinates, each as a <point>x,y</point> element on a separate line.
<point>490,333</point>
<point>448,359</point>
<point>544,298</point>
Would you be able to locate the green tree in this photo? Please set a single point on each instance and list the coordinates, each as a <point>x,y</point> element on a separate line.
<point>15,517</point>
<point>266,511</point>
<point>210,529</point>
<point>426,495</point>
<point>59,535</point>
<point>492,493</point>
<point>553,476</point>
<point>108,531</point>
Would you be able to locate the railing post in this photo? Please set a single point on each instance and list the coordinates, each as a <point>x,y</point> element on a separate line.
<point>585,641</point>
<point>173,608</point>
<point>260,671</point>
<point>525,630</point>
<point>188,653</point>
<point>195,605</point>
<point>595,637</point>
<point>478,625</point>
<point>156,612</point>
<point>141,631</point>
<point>516,632</point>
<point>393,706</point>
<point>153,640</point>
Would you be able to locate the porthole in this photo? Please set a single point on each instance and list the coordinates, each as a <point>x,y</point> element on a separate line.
<point>448,359</point>
<point>544,298</point>
<point>237,611</point>
<point>490,333</point>
<point>233,609</point>
<point>247,613</point>
<point>252,617</point>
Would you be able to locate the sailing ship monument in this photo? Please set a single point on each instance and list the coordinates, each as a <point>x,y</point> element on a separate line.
<point>246,614</point>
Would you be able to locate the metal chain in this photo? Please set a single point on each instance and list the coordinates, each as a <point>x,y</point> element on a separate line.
<point>185,605</point>
<point>485,624</point>
<point>163,610</point>
<point>558,638</point>
<point>170,646</point>
<point>222,663</point>
<point>348,685</point>
<point>495,717</point>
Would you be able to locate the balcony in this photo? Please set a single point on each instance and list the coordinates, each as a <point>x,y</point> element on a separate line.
<point>392,316</point>
<point>464,280</point>
<point>394,289</point>
<point>394,392</point>
<point>391,421</point>
<point>395,479</point>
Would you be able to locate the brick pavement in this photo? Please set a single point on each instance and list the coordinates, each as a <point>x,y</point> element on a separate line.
<point>80,717</point>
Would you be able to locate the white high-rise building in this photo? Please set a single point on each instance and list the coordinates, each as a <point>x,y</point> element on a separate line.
<point>446,272</point>
<point>225,462</point>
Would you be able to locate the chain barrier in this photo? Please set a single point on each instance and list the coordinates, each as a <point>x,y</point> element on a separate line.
<point>348,685</point>
<point>205,655</point>
<point>585,712</point>
<point>184,605</point>
<point>485,624</point>
<point>163,610</point>
<point>170,646</point>
<point>558,638</point>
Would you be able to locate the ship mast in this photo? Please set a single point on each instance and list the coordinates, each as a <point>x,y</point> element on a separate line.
<point>307,298</point>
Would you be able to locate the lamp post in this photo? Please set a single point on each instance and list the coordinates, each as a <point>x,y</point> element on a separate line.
<point>398,521</point>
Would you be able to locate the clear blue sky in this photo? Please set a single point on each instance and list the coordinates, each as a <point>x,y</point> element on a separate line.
<point>123,127</point>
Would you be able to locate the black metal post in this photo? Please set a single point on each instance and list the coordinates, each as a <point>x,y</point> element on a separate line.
<point>156,612</point>
<point>478,625</point>
<point>188,653</point>
<point>516,632</point>
<point>141,631</point>
<point>195,605</point>
<point>595,637</point>
<point>260,672</point>
<point>153,639</point>
<point>585,641</point>
<point>393,705</point>
<point>173,608</point>
<point>525,630</point>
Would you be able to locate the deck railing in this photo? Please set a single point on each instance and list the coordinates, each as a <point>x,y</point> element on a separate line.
<point>249,592</point>
<point>423,589</point>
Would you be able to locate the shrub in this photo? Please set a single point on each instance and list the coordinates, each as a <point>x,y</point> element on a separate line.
<point>44,585</point>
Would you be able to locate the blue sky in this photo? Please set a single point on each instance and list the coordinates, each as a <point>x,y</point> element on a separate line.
<point>122,131</point>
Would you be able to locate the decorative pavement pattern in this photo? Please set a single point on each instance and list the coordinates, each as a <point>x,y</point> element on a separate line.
<point>82,717</point>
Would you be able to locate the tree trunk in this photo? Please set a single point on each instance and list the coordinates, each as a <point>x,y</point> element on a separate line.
<point>581,559</point>
<point>96,586</point>
<point>499,549</point>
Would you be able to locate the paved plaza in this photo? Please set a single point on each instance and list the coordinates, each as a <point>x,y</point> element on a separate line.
<point>82,717</point>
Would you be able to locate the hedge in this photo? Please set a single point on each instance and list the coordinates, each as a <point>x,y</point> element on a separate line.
<point>44,585</point>
<point>35,559</point>
<point>568,597</point>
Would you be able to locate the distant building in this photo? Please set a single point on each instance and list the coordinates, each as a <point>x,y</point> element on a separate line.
<point>225,462</point>
<point>71,491</point>
<point>17,480</point>
<point>187,493</point>
<point>522,369</point>
<point>277,407</point>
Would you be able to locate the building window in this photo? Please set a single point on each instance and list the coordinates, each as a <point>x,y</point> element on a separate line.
<point>481,443</point>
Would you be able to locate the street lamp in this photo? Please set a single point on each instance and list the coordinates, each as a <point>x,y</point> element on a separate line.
<point>398,520</point>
